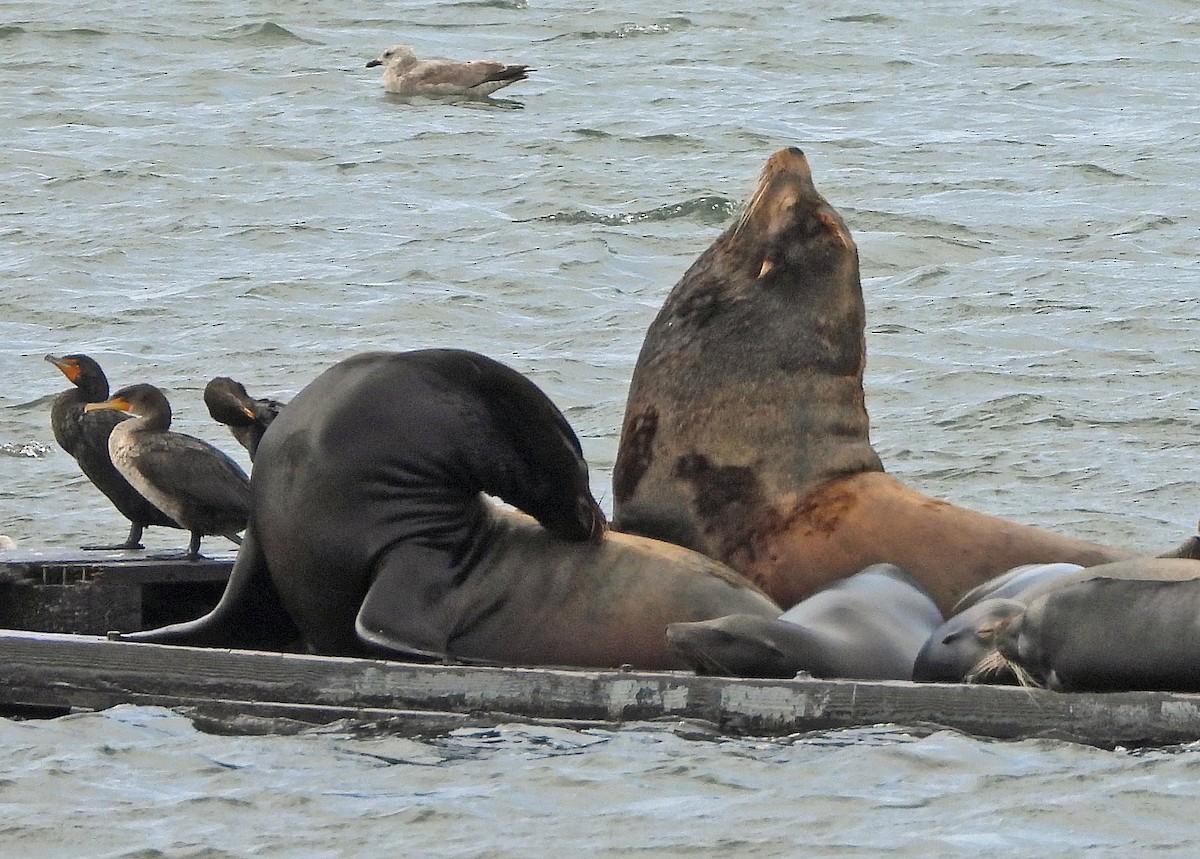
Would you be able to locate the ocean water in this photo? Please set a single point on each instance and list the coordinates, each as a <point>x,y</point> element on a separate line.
<point>196,189</point>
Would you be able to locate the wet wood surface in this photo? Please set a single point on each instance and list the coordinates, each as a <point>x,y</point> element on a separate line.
<point>47,672</point>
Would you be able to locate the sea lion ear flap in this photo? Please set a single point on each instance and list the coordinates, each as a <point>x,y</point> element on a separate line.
<point>834,227</point>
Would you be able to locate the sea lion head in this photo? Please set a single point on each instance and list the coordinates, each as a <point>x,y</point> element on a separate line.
<point>965,648</point>
<point>792,227</point>
<point>737,645</point>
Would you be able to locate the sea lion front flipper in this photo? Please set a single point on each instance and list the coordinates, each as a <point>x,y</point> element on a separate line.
<point>249,614</point>
<point>403,611</point>
<point>543,472</point>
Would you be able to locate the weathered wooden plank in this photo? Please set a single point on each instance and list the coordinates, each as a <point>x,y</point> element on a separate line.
<point>71,608</point>
<point>93,592</point>
<point>51,670</point>
<point>63,567</point>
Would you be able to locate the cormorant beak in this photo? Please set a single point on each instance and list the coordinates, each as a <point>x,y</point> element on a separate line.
<point>248,412</point>
<point>115,403</point>
<point>69,368</point>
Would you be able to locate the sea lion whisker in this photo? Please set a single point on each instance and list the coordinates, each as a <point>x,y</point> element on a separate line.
<point>751,205</point>
<point>988,666</point>
<point>994,663</point>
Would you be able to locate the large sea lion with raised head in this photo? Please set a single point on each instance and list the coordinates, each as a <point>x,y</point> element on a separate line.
<point>370,532</point>
<point>746,433</point>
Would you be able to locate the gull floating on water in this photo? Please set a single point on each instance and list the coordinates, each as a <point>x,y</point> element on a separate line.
<point>404,74</point>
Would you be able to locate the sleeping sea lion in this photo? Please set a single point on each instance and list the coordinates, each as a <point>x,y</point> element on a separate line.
<point>746,433</point>
<point>370,533</point>
<point>866,627</point>
<point>1109,635</point>
<point>966,648</point>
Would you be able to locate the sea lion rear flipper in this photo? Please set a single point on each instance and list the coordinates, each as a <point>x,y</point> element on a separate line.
<point>249,614</point>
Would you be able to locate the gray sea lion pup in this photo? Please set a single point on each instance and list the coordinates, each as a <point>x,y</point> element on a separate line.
<point>966,647</point>
<point>371,533</point>
<point>869,626</point>
<point>404,74</point>
<point>746,432</point>
<point>1110,635</point>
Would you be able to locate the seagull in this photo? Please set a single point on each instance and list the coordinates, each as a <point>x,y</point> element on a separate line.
<point>404,74</point>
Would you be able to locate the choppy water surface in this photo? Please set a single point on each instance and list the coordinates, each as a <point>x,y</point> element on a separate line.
<point>193,188</point>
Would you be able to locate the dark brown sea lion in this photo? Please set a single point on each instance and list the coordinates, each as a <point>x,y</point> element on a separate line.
<point>746,432</point>
<point>371,533</point>
<point>869,626</point>
<point>966,648</point>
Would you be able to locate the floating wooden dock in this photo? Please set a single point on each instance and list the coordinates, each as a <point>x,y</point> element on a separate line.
<point>46,673</point>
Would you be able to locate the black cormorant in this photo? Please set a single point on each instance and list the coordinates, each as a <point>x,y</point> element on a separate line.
<point>246,417</point>
<point>84,435</point>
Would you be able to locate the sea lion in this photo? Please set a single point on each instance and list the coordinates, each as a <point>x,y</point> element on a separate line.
<point>869,626</point>
<point>1012,583</point>
<point>1109,635</point>
<point>370,533</point>
<point>966,647</point>
<point>746,433</point>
